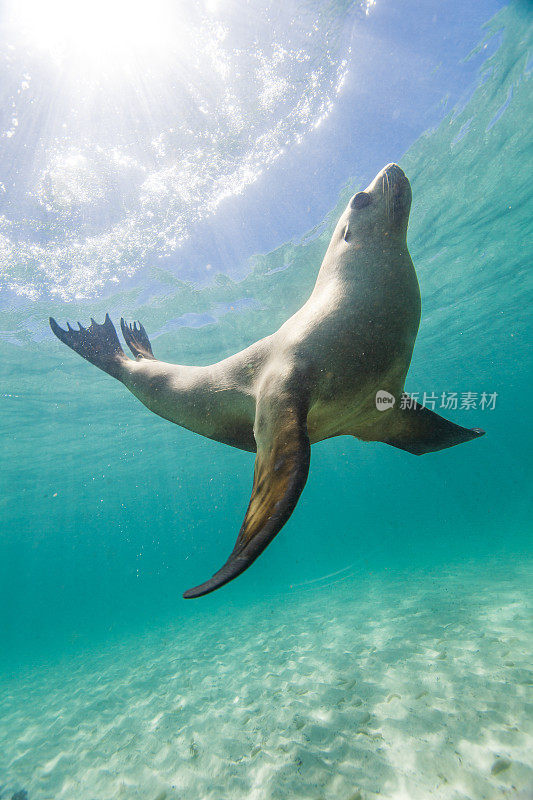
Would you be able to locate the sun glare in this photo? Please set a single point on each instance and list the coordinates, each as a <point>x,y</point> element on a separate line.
<point>95,30</point>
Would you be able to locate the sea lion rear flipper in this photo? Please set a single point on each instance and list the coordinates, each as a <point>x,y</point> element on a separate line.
<point>98,344</point>
<point>419,430</point>
<point>137,339</point>
<point>281,468</point>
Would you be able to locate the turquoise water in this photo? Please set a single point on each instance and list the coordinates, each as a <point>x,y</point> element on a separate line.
<point>380,647</point>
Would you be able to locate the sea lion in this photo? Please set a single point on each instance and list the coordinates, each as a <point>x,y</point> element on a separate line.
<point>330,370</point>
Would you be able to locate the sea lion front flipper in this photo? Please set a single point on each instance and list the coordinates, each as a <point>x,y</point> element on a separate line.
<point>419,430</point>
<point>137,339</point>
<point>281,468</point>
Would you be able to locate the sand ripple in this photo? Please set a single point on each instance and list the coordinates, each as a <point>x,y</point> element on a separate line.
<point>390,687</point>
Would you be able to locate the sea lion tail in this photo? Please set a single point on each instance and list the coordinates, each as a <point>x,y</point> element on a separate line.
<point>98,344</point>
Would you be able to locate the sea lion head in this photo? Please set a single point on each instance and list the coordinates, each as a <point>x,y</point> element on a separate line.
<point>382,209</point>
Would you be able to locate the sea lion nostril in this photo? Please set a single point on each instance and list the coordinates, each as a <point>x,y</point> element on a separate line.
<point>394,176</point>
<point>360,200</point>
<point>394,169</point>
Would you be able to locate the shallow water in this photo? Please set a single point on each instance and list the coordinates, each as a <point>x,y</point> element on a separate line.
<point>381,646</point>
<point>375,686</point>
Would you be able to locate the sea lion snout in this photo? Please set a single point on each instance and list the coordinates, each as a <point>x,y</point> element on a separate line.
<point>393,185</point>
<point>394,172</point>
<point>390,180</point>
<point>394,182</point>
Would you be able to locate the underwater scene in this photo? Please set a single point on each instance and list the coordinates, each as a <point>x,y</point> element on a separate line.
<point>188,167</point>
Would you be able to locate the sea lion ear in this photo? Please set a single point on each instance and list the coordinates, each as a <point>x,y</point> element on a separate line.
<point>281,469</point>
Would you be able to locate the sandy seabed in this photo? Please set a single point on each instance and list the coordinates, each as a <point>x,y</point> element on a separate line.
<point>400,687</point>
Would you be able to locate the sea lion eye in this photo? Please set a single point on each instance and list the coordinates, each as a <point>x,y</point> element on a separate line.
<point>360,200</point>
